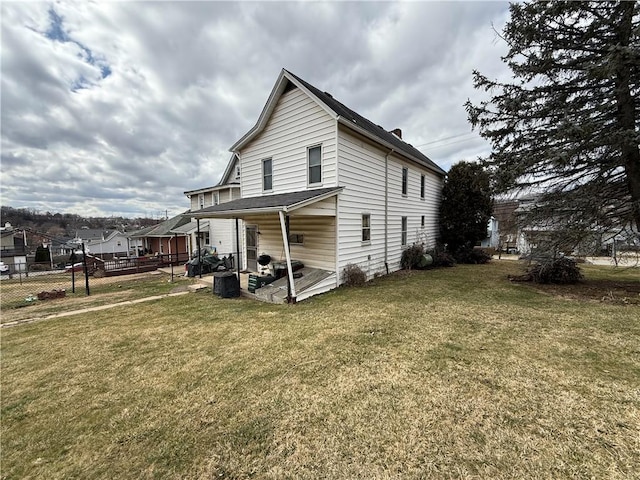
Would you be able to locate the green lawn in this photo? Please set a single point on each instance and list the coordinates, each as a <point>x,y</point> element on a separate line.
<point>453,373</point>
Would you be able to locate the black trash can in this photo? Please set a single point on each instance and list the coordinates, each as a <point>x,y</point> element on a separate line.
<point>226,284</point>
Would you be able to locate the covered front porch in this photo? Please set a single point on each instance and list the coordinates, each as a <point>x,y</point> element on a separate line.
<point>288,229</point>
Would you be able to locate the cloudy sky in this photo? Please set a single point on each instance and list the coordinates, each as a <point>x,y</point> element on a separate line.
<point>117,108</point>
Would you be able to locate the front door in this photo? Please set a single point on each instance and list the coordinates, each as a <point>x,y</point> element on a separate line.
<point>252,248</point>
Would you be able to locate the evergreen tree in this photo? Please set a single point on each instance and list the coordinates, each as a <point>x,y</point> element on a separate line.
<point>466,206</point>
<point>42,254</point>
<point>567,128</point>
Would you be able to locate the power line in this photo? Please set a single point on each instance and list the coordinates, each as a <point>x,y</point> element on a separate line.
<point>447,138</point>
<point>452,143</point>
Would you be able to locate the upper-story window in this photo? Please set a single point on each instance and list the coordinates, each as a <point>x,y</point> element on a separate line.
<point>215,198</point>
<point>201,200</point>
<point>267,174</point>
<point>421,186</point>
<point>405,179</point>
<point>237,172</point>
<point>314,155</point>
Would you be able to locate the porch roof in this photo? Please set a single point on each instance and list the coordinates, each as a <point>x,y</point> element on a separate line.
<point>281,202</point>
<point>190,227</point>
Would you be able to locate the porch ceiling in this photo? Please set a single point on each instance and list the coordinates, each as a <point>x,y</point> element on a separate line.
<point>282,202</point>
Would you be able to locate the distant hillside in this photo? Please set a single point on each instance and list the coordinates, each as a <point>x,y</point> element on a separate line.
<point>66,224</point>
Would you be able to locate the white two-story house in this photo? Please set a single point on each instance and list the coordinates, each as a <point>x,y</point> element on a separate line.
<point>325,186</point>
<point>217,232</point>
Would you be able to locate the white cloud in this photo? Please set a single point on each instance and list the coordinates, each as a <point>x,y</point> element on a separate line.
<point>119,107</point>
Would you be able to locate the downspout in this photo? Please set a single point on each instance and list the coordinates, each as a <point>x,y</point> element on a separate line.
<point>285,242</point>
<point>336,243</point>
<point>386,210</point>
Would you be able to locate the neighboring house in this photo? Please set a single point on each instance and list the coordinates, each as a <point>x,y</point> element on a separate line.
<point>13,248</point>
<point>161,239</point>
<point>105,244</point>
<point>217,232</point>
<point>516,236</point>
<point>493,234</point>
<point>323,185</point>
<point>502,228</point>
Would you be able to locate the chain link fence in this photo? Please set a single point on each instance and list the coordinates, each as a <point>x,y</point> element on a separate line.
<point>27,283</point>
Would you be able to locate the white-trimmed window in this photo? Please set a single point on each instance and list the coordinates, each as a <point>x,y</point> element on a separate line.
<point>403,233</point>
<point>267,174</point>
<point>422,221</point>
<point>215,198</point>
<point>422,185</point>
<point>201,200</point>
<point>314,160</point>
<point>296,239</point>
<point>237,172</point>
<point>366,227</point>
<point>405,180</point>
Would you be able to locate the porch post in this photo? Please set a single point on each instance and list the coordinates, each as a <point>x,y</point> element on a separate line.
<point>285,242</point>
<point>198,246</point>
<point>237,250</point>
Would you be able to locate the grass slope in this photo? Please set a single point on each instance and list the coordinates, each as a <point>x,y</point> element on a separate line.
<point>450,373</point>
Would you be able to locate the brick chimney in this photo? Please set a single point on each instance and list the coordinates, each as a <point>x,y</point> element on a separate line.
<point>397,132</point>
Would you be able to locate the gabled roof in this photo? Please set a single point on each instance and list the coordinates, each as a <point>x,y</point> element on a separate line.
<point>94,233</point>
<point>226,176</point>
<point>339,112</point>
<point>286,202</point>
<point>190,227</point>
<point>224,180</point>
<point>163,229</point>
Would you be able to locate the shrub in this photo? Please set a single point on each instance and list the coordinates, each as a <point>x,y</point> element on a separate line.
<point>412,257</point>
<point>441,258</point>
<point>353,276</point>
<point>561,270</point>
<point>473,256</point>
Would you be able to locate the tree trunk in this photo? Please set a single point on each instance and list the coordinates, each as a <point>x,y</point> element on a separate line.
<point>626,109</point>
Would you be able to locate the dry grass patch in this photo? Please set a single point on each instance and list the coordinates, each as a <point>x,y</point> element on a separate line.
<point>104,291</point>
<point>447,374</point>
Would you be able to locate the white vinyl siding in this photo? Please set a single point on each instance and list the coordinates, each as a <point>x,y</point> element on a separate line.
<point>225,195</point>
<point>296,123</point>
<point>222,235</point>
<point>318,250</point>
<point>362,176</point>
<point>362,172</point>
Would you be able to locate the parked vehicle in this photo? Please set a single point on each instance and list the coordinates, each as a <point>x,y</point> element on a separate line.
<point>4,268</point>
<point>76,267</point>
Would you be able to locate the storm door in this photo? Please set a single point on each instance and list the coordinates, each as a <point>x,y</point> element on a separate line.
<point>252,248</point>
